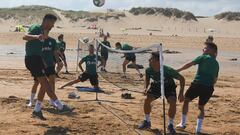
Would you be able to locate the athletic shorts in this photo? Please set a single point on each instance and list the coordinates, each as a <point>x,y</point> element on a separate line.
<point>130,57</point>
<point>198,90</point>
<point>104,56</point>
<point>35,65</point>
<point>50,71</point>
<point>155,91</point>
<point>85,76</point>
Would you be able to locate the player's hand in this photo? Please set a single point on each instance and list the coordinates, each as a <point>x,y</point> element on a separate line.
<point>180,98</point>
<point>40,37</point>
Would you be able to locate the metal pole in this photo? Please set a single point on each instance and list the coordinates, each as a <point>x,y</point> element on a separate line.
<point>96,45</point>
<point>162,86</point>
<point>78,49</point>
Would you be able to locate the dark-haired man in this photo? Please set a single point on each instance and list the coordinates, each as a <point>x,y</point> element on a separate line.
<point>203,83</point>
<point>34,62</point>
<point>154,92</point>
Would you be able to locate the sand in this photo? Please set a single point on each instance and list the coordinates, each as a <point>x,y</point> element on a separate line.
<point>91,117</point>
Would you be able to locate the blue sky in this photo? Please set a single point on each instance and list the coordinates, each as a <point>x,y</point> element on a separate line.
<point>198,7</point>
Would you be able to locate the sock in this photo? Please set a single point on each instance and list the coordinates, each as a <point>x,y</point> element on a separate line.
<point>51,102</point>
<point>183,121</point>
<point>58,104</point>
<point>32,97</point>
<point>147,117</point>
<point>171,121</point>
<point>38,106</point>
<point>199,125</point>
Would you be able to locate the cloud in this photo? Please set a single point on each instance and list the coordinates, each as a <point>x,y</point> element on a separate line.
<point>198,7</point>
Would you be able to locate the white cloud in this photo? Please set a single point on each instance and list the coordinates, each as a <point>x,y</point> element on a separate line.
<point>198,7</point>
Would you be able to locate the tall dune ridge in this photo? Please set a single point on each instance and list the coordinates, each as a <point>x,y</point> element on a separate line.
<point>136,21</point>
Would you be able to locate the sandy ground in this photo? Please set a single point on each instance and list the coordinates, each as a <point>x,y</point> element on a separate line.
<point>91,117</point>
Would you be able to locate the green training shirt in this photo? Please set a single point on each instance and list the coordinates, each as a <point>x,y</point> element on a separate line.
<point>34,47</point>
<point>61,45</point>
<point>169,75</point>
<point>208,69</point>
<point>90,62</point>
<point>127,47</point>
<point>104,50</point>
<point>48,49</point>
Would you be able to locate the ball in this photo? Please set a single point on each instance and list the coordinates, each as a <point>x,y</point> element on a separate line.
<point>99,3</point>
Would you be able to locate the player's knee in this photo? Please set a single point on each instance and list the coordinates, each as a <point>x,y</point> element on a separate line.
<point>172,100</point>
<point>147,101</point>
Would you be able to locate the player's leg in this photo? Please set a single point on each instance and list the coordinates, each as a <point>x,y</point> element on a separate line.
<point>33,93</point>
<point>206,94</point>
<point>171,113</point>
<point>94,81</point>
<point>65,62</point>
<point>152,94</point>
<point>124,65</point>
<point>136,67</point>
<point>192,93</point>
<point>83,77</point>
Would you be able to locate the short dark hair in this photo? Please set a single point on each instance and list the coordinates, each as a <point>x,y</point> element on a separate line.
<point>91,45</point>
<point>118,44</point>
<point>210,37</point>
<point>50,17</point>
<point>60,36</point>
<point>155,55</point>
<point>212,46</point>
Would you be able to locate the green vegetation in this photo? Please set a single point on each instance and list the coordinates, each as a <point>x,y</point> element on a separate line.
<point>168,12</point>
<point>26,14</point>
<point>229,16</point>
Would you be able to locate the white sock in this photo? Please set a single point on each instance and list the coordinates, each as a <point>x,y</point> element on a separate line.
<point>51,102</point>
<point>38,106</point>
<point>183,120</point>
<point>199,125</point>
<point>32,97</point>
<point>147,117</point>
<point>171,121</point>
<point>58,104</point>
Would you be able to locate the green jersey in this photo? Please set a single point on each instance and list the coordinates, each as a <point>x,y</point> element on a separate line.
<point>91,63</point>
<point>34,47</point>
<point>127,47</point>
<point>169,75</point>
<point>48,49</point>
<point>104,50</point>
<point>208,69</point>
<point>61,45</point>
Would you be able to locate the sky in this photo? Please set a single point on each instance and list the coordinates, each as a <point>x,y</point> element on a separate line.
<point>198,7</point>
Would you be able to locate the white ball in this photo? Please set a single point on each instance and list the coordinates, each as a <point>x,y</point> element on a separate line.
<point>99,3</point>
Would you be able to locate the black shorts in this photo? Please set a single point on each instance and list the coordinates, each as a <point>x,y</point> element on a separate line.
<point>35,65</point>
<point>104,56</point>
<point>50,71</point>
<point>130,57</point>
<point>198,90</point>
<point>85,76</point>
<point>155,91</point>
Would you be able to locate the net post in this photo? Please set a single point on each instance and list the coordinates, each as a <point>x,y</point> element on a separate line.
<point>162,85</point>
<point>78,49</point>
<point>96,45</point>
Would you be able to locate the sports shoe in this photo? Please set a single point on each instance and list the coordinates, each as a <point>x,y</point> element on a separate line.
<point>198,133</point>
<point>171,129</point>
<point>67,72</point>
<point>145,124</point>
<point>65,109</point>
<point>38,115</point>
<point>180,126</point>
<point>29,104</point>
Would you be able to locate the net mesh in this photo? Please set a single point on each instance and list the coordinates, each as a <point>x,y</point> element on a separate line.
<point>114,75</point>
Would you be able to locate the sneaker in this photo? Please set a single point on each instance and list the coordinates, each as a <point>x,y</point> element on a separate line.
<point>145,124</point>
<point>66,109</point>
<point>67,72</point>
<point>180,126</point>
<point>171,129</point>
<point>38,115</point>
<point>198,133</point>
<point>29,104</point>
<point>124,76</point>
